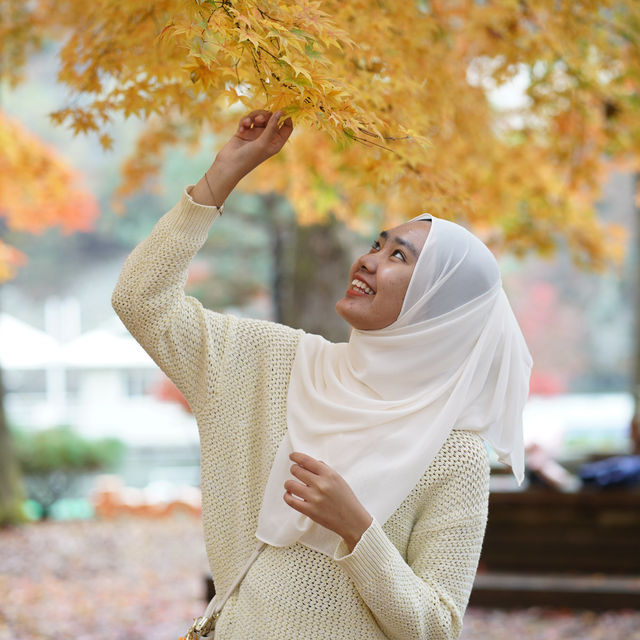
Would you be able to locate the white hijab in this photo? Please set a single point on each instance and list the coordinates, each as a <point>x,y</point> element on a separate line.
<point>378,408</point>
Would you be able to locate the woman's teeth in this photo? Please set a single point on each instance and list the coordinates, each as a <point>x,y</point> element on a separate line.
<point>362,286</point>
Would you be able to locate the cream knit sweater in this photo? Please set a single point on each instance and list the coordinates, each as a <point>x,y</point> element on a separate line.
<point>409,578</point>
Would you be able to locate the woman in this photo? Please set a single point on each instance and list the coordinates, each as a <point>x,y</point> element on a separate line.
<point>361,465</point>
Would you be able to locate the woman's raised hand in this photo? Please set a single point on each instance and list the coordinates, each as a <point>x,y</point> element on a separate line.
<point>260,135</point>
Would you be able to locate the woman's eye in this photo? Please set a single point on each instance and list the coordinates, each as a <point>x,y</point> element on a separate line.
<point>376,245</point>
<point>399,254</point>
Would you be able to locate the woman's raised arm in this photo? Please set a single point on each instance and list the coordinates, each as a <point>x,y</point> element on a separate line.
<point>182,337</point>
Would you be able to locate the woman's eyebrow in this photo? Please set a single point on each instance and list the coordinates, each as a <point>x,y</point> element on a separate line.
<point>403,242</point>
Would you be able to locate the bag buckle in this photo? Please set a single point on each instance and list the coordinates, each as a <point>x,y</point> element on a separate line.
<point>201,626</point>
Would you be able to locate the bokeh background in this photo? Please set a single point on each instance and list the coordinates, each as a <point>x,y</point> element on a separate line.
<point>108,543</point>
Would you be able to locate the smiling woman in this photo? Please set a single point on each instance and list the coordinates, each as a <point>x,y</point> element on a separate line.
<point>379,279</point>
<point>344,485</point>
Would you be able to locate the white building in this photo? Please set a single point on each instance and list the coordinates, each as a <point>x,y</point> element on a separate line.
<point>99,383</point>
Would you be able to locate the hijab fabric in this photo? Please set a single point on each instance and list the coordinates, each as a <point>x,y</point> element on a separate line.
<point>378,408</point>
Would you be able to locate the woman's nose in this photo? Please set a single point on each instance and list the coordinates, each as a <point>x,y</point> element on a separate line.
<point>368,262</point>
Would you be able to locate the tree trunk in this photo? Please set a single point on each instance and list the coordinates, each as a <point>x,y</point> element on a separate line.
<point>317,280</point>
<point>310,268</point>
<point>280,232</point>
<point>11,493</point>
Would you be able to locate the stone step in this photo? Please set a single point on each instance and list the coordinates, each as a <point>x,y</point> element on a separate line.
<point>596,592</point>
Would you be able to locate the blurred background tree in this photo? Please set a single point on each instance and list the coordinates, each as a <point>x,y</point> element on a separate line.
<point>53,460</point>
<point>38,190</point>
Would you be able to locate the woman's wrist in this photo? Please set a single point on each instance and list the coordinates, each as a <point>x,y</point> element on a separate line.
<point>352,537</point>
<point>216,184</point>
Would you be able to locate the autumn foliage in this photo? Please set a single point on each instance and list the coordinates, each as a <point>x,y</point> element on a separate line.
<point>38,190</point>
<point>389,100</point>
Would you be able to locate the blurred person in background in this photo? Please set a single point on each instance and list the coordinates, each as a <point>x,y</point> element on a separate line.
<point>357,472</point>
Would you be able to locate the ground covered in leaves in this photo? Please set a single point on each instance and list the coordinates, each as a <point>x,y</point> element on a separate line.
<point>133,579</point>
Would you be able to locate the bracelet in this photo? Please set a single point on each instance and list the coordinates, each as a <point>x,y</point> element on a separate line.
<point>206,179</point>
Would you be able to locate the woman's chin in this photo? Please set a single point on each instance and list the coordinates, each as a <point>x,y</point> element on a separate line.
<point>348,309</point>
<point>344,310</point>
<point>362,315</point>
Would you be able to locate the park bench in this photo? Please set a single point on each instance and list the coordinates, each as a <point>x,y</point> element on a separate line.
<point>548,548</point>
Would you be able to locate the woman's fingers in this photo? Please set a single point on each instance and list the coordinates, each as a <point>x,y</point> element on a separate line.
<point>285,129</point>
<point>297,489</point>
<point>288,124</point>
<point>259,112</point>
<point>256,118</point>
<point>307,462</point>
<point>272,124</point>
<point>266,127</point>
<point>303,474</point>
<point>296,503</point>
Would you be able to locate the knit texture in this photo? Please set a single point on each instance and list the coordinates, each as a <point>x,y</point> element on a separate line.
<point>408,578</point>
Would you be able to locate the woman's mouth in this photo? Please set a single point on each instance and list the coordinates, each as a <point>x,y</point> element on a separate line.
<point>361,287</point>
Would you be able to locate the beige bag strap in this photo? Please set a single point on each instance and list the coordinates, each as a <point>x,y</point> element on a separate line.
<point>203,625</point>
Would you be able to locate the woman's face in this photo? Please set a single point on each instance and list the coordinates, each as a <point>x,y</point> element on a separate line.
<point>379,279</point>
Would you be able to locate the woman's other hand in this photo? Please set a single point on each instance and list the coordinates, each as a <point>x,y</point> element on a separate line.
<point>260,135</point>
<point>323,495</point>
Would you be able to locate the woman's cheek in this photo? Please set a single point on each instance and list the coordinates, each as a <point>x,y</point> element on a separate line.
<point>400,286</point>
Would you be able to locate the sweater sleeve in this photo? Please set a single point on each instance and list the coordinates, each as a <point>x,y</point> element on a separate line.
<point>180,335</point>
<point>425,595</point>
